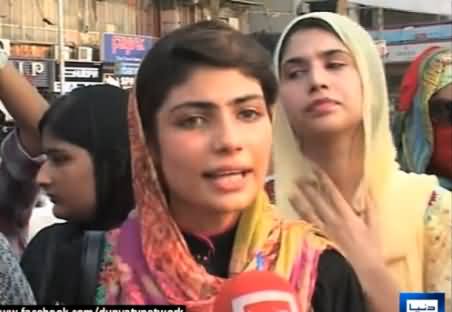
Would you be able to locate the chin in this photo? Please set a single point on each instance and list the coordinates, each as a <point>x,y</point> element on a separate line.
<point>327,126</point>
<point>233,202</point>
<point>59,212</point>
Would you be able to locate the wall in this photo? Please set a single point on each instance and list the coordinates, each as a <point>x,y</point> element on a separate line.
<point>272,17</point>
<point>22,20</point>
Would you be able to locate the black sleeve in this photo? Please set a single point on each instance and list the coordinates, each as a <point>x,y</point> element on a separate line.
<point>337,287</point>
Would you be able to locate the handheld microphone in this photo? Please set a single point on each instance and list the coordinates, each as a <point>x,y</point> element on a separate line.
<point>257,291</point>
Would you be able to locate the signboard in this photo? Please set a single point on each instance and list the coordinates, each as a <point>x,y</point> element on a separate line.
<point>119,81</point>
<point>407,52</point>
<point>69,86</point>
<point>415,33</point>
<point>126,69</point>
<point>81,72</point>
<point>78,74</point>
<point>125,48</point>
<point>39,72</point>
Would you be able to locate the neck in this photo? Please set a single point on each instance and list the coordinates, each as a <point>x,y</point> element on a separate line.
<point>341,157</point>
<point>203,222</point>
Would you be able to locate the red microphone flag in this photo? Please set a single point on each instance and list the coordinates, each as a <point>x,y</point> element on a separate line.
<point>257,291</point>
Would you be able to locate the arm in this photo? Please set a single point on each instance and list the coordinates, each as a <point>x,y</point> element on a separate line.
<point>381,290</point>
<point>17,190</point>
<point>24,103</point>
<point>17,168</point>
<point>337,287</point>
<point>438,245</point>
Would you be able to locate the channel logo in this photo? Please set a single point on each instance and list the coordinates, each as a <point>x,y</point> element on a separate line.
<point>422,302</point>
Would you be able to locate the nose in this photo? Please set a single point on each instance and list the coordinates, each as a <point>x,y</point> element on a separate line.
<point>43,177</point>
<point>317,78</point>
<point>227,137</point>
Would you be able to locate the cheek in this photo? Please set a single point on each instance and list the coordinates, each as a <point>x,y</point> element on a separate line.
<point>354,96</point>
<point>292,96</point>
<point>87,189</point>
<point>180,155</point>
<point>261,149</point>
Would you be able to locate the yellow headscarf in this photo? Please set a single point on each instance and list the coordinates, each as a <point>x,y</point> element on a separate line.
<point>401,200</point>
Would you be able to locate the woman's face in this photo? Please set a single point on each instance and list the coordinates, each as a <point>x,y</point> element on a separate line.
<point>68,178</point>
<point>214,137</point>
<point>320,86</point>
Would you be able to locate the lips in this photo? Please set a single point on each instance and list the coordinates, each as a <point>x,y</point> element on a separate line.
<point>228,180</point>
<point>321,105</point>
<point>223,173</point>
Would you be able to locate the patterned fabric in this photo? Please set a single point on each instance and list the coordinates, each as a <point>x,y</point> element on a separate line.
<point>413,130</point>
<point>18,190</point>
<point>438,242</point>
<point>14,288</point>
<point>148,261</point>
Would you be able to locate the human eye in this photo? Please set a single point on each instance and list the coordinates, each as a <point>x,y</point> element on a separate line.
<point>58,159</point>
<point>296,73</point>
<point>192,122</point>
<point>249,114</point>
<point>335,65</point>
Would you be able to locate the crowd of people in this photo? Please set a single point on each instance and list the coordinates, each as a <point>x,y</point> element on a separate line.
<point>163,186</point>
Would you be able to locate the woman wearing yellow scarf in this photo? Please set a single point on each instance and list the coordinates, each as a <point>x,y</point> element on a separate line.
<point>334,162</point>
<point>200,136</point>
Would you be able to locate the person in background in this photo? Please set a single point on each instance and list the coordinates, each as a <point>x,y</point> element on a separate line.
<point>423,123</point>
<point>335,163</point>
<point>19,153</point>
<point>87,177</point>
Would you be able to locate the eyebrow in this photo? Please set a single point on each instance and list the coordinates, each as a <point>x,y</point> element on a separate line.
<point>296,60</point>
<point>208,105</point>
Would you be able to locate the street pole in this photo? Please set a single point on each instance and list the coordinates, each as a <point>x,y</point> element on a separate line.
<point>341,7</point>
<point>61,43</point>
<point>380,22</point>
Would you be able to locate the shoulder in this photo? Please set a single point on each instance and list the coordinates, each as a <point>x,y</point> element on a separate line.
<point>438,215</point>
<point>305,233</point>
<point>56,229</point>
<point>337,286</point>
<point>333,267</point>
<point>45,239</point>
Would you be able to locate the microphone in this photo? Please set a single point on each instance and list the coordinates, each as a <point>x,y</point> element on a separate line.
<point>257,291</point>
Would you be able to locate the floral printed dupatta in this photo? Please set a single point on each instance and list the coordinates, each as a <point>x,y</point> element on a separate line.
<point>148,260</point>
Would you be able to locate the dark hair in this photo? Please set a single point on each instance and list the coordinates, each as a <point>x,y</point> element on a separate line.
<point>304,24</point>
<point>95,118</point>
<point>266,40</point>
<point>212,43</point>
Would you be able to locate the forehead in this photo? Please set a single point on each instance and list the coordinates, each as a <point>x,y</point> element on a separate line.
<point>312,42</point>
<point>52,142</point>
<point>216,85</point>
